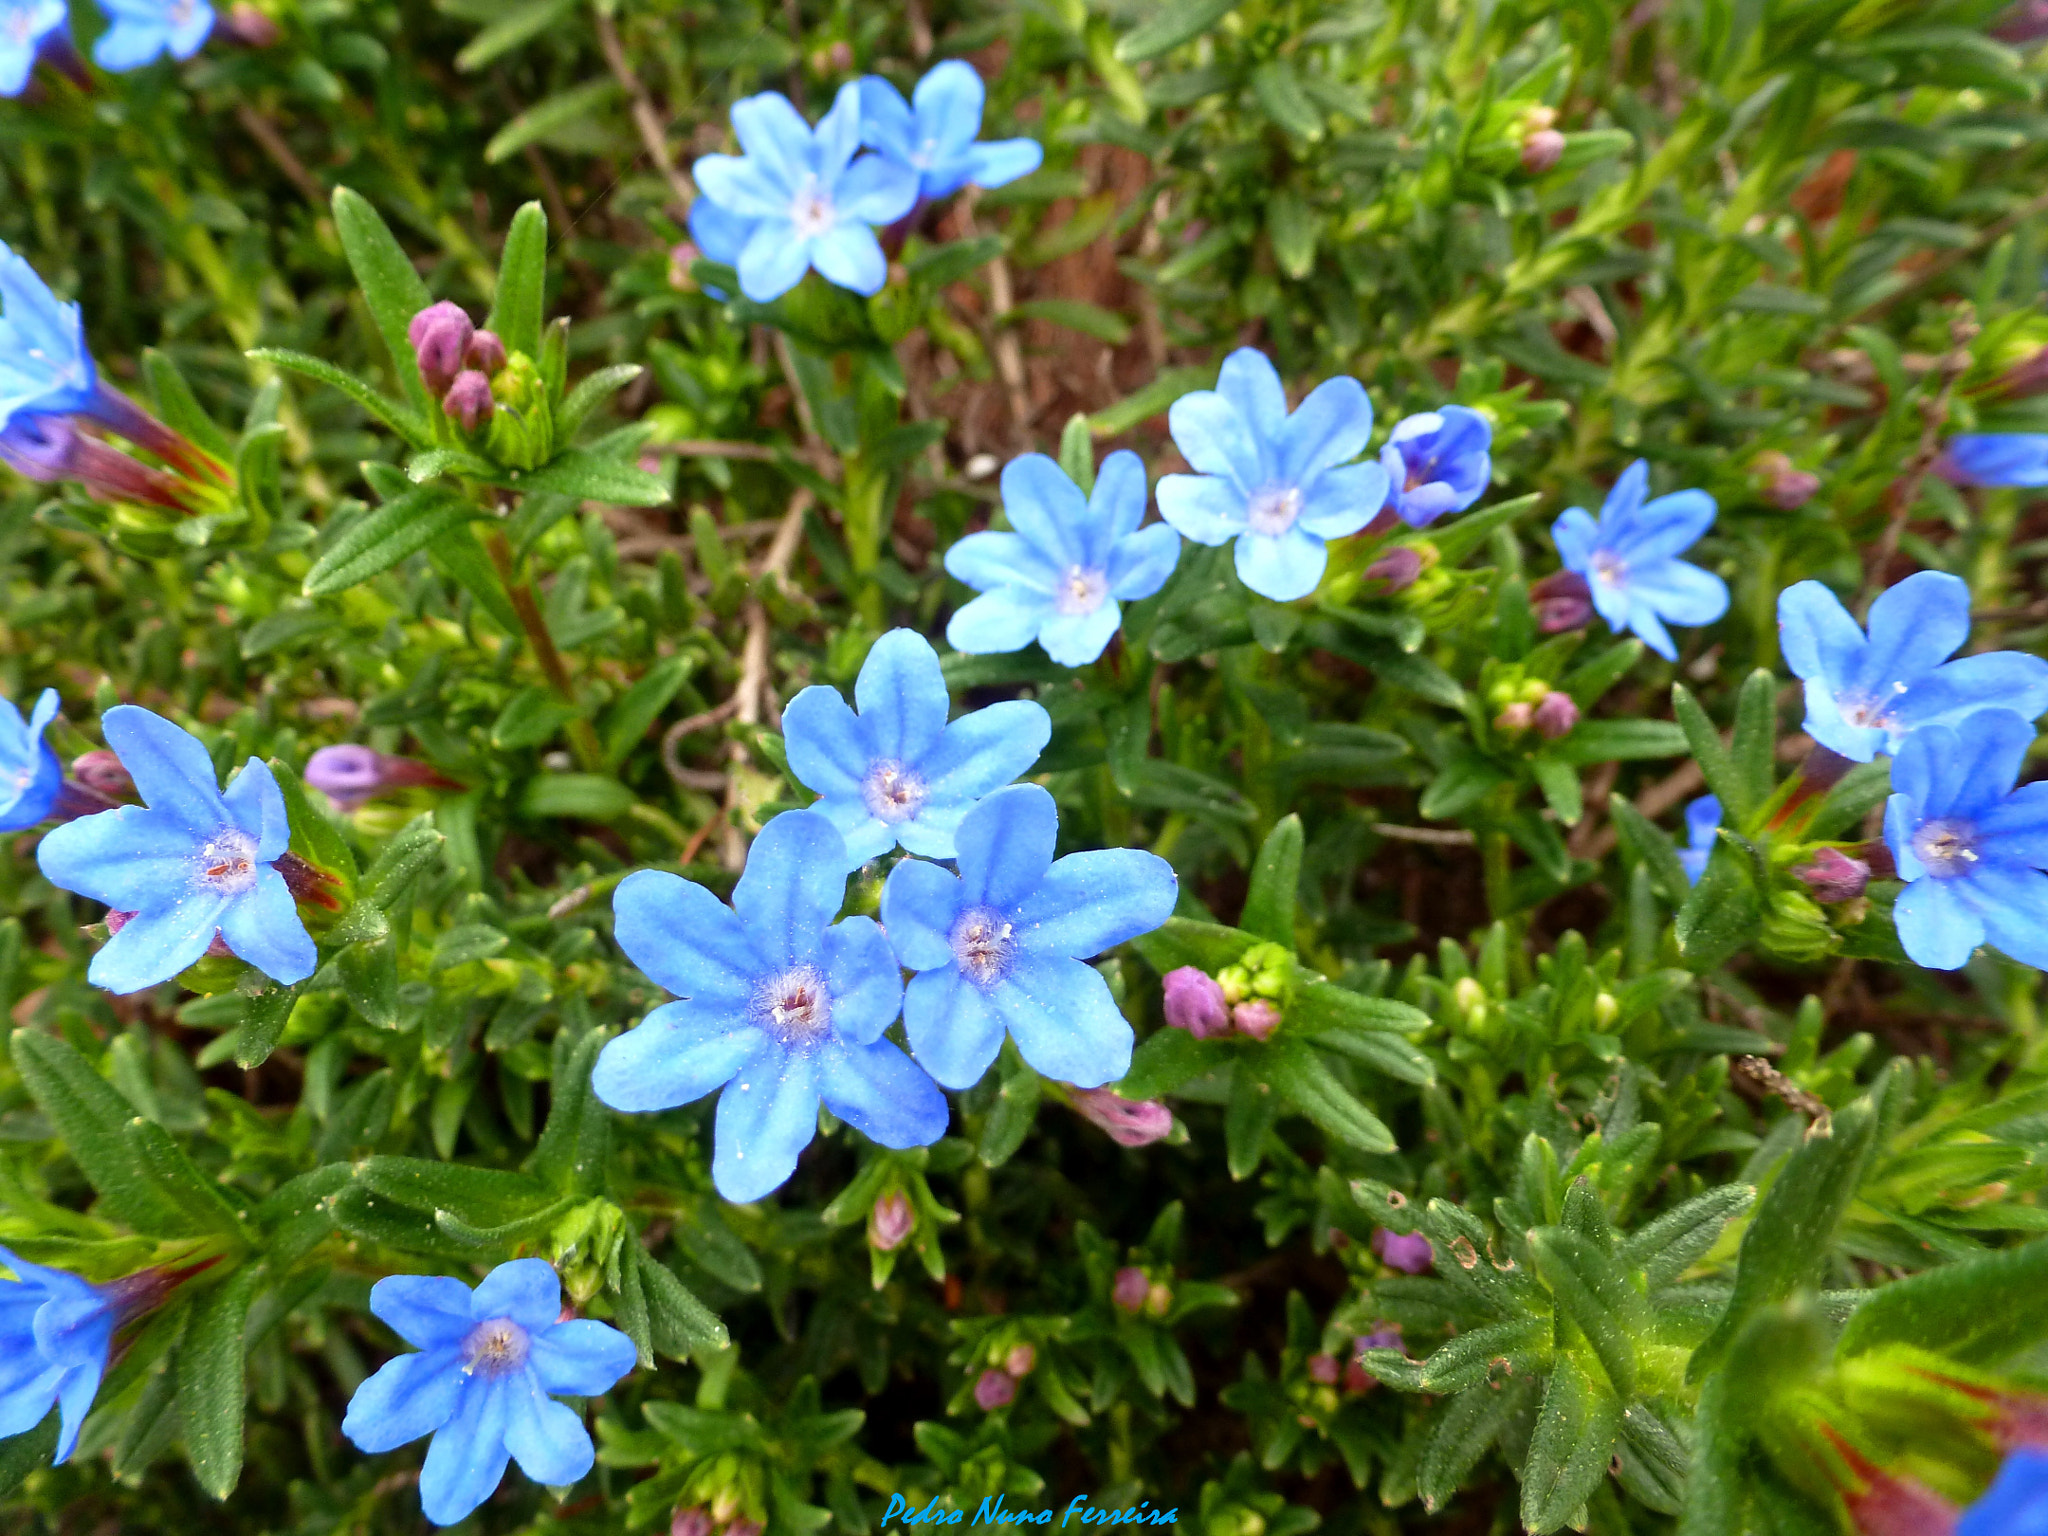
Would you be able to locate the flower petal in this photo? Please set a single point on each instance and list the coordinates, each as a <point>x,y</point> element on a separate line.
<point>1935,927</point>
<point>128,858</point>
<point>2017,827</point>
<point>865,834</point>
<point>1576,536</point>
<point>984,750</point>
<point>849,255</point>
<point>1819,638</point>
<point>1283,568</point>
<point>902,696</point>
<point>881,1093</point>
<point>2013,905</point>
<point>836,139</point>
<point>256,805</point>
<point>1824,723</point>
<point>2011,680</point>
<point>1064,1021</point>
<point>545,1437</point>
<point>1005,619</point>
<point>828,746</point>
<point>526,1290</point>
<point>581,1358</point>
<point>1117,504</point>
<point>1680,592</point>
<point>1668,526</point>
<point>954,1030</point>
<point>1343,500</point>
<point>744,192</point>
<point>1624,500</point>
<point>1250,382</point>
<point>766,1117</point>
<point>919,904</point>
<point>678,1053</point>
<point>1329,427</point>
<point>408,1397</point>
<point>1001,161</point>
<point>684,937</point>
<point>1210,509</point>
<point>1076,639</point>
<point>1092,901</point>
<point>989,560</point>
<point>1215,439</point>
<point>262,926</point>
<point>862,979</point>
<point>170,768</point>
<point>154,946</point>
<point>792,888</point>
<point>1647,626</point>
<point>772,132</point>
<point>467,1460</point>
<point>886,122</point>
<point>949,101</point>
<point>1043,505</point>
<point>427,1311</point>
<point>1140,564</point>
<point>1977,765</point>
<point>773,261</point>
<point>1914,627</point>
<point>1006,845</point>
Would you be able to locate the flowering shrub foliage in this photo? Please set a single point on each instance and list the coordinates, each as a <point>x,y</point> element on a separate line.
<point>704,709</point>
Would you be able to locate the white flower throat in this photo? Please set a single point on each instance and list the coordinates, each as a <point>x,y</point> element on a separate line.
<point>1947,846</point>
<point>228,862</point>
<point>984,943</point>
<point>811,210</point>
<point>1273,511</point>
<point>1081,590</point>
<point>495,1348</point>
<point>893,793</point>
<point>793,1005</point>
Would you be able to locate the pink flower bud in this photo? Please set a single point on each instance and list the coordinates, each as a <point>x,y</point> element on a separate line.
<point>1129,1122</point>
<point>680,258</point>
<point>486,353</point>
<point>1020,1361</point>
<point>996,1389</point>
<point>1398,568</point>
<point>350,774</point>
<point>890,1222</point>
<point>1562,601</point>
<point>1130,1288</point>
<point>1556,714</point>
<point>1515,719</point>
<point>248,26</point>
<point>743,1527</point>
<point>2025,23</point>
<point>1357,1380</point>
<point>469,400</point>
<point>1323,1370</point>
<point>1194,1002</point>
<point>1256,1017</point>
<point>440,336</point>
<point>1834,876</point>
<point>690,1522</point>
<point>1542,150</point>
<point>1408,1252</point>
<point>101,772</point>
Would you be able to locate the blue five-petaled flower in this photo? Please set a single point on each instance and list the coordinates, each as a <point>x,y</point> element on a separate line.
<point>194,861</point>
<point>777,1004</point>
<point>1437,462</point>
<point>490,1362</point>
<point>23,26</point>
<point>1278,484</point>
<point>30,774</point>
<point>2016,1503</point>
<point>144,30</point>
<point>1629,559</point>
<point>934,132</point>
<point>1001,946</point>
<point>55,1332</point>
<point>1060,576</point>
<point>1995,459</point>
<point>45,368</point>
<point>896,772</point>
<point>802,196</point>
<point>1970,847</point>
<point>1702,831</point>
<point>1864,694</point>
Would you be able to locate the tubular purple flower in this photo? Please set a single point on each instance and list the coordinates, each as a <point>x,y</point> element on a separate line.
<point>1436,462</point>
<point>2016,1503</point>
<point>1127,1122</point>
<point>124,418</point>
<point>30,775</point>
<point>1193,1000</point>
<point>440,335</point>
<point>349,774</point>
<point>1398,568</point>
<point>1130,1288</point>
<point>934,133</point>
<point>24,25</point>
<point>1408,1252</point>
<point>56,1332</point>
<point>1702,832</point>
<point>145,30</point>
<point>1561,601</point>
<point>45,368</point>
<point>48,449</point>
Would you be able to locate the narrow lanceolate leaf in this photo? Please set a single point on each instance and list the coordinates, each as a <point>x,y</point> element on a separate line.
<point>590,476</point>
<point>1984,1310</point>
<point>1712,756</point>
<point>1497,1349</point>
<point>1323,1005</point>
<point>1671,1244</point>
<point>571,1151</point>
<point>1592,1291</point>
<point>196,1196</point>
<point>210,1383</point>
<point>1299,1076</point>
<point>408,424</point>
<point>27,1452</point>
<point>391,286</point>
<point>565,109</point>
<point>1465,1431</point>
<point>682,1325</point>
<point>1752,751</point>
<point>1276,877</point>
<point>92,1118</point>
<point>589,394</point>
<point>1568,1454</point>
<point>391,533</point>
<point>520,306</point>
<point>1169,27</point>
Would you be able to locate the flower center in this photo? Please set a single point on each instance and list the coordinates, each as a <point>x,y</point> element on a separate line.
<point>811,211</point>
<point>984,943</point>
<point>893,793</point>
<point>793,1006</point>
<point>1947,848</point>
<point>1081,590</point>
<point>1609,567</point>
<point>229,862</point>
<point>1273,510</point>
<point>1868,712</point>
<point>926,155</point>
<point>495,1348</point>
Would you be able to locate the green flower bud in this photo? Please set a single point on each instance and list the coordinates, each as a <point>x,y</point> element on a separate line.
<point>522,432</point>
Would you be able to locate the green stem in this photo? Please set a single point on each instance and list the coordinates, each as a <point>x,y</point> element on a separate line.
<point>582,735</point>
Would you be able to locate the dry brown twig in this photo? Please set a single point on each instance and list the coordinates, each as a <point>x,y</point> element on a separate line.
<point>653,135</point>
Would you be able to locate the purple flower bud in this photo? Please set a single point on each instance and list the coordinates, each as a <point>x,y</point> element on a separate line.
<point>890,1221</point>
<point>690,1522</point>
<point>248,26</point>
<point>1515,719</point>
<point>1256,1017</point>
<point>1562,601</point>
<point>47,449</point>
<point>469,400</point>
<point>101,772</point>
<point>1194,1002</point>
<point>1130,1288</point>
<point>743,1527</point>
<point>2025,23</point>
<point>1408,1252</point>
<point>1542,150</point>
<point>350,774</point>
<point>1398,568</point>
<point>1784,486</point>
<point>1323,1370</point>
<point>1020,1361</point>
<point>1128,1122</point>
<point>440,335</point>
<point>1556,714</point>
<point>1384,1335</point>
<point>996,1389</point>
<point>1834,876</point>
<point>485,353</point>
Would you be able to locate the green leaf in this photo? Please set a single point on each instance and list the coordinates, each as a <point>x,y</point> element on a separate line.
<point>1671,1244</point>
<point>91,1119</point>
<point>1169,27</point>
<point>1650,846</point>
<point>1562,791</point>
<point>1305,1083</point>
<point>1277,89</point>
<point>1323,1005</point>
<point>1724,912</point>
<point>210,1383</point>
<point>1187,941</point>
<point>456,551</point>
<point>530,717</point>
<point>1077,453</point>
<point>589,394</point>
<point>514,29</point>
<point>198,1198</point>
<point>478,1197</point>
<point>391,286</point>
<point>1753,751</point>
<point>1465,1431</point>
<point>626,723</point>
<point>1293,229</point>
<point>1010,1118</point>
<point>29,1451</point>
<point>519,308</point>
<point>386,536</point>
<point>1384,1053</point>
<point>1249,1118</point>
<point>1168,1058</point>
<point>180,408</point>
<point>1474,530</point>
<point>682,1324</point>
<point>1981,1310</point>
<point>1276,877</point>
<point>1467,1360</point>
<point>591,476</point>
<point>1620,741</point>
<point>1591,1289</point>
<point>571,1151</point>
<point>406,423</point>
<point>1104,325</point>
<point>1730,787</point>
<point>565,109</point>
<point>582,796</point>
<point>1569,1451</point>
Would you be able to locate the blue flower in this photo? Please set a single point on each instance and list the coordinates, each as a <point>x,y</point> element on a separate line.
<point>1995,458</point>
<point>1630,562</point>
<point>934,132</point>
<point>779,1005</point>
<point>720,235</point>
<point>55,1331</point>
<point>191,862</point>
<point>2016,1503</point>
<point>897,772</point>
<point>1864,695</point>
<point>143,30</point>
<point>1001,945</point>
<point>809,201</point>
<point>44,366</point>
<point>1060,577</point>
<point>1970,847</point>
<point>23,26</point>
<point>1276,483</point>
<point>30,774</point>
<point>1437,462</point>
<point>490,1363</point>
<point>1702,831</point>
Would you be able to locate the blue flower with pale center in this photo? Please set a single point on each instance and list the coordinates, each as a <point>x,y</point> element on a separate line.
<point>1629,559</point>
<point>1439,461</point>
<point>1001,945</point>
<point>897,772</point>
<point>1863,694</point>
<point>1279,484</point>
<point>490,1364</point>
<point>142,31</point>
<point>934,132</point>
<point>55,1332</point>
<point>44,366</point>
<point>1702,831</point>
<point>1970,847</point>
<point>194,861</point>
<point>778,1005</point>
<point>1995,459</point>
<point>23,26</point>
<point>808,200</point>
<point>30,774</point>
<point>2016,1503</point>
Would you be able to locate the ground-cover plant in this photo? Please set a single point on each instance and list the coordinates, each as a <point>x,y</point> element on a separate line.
<point>1335,702</point>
